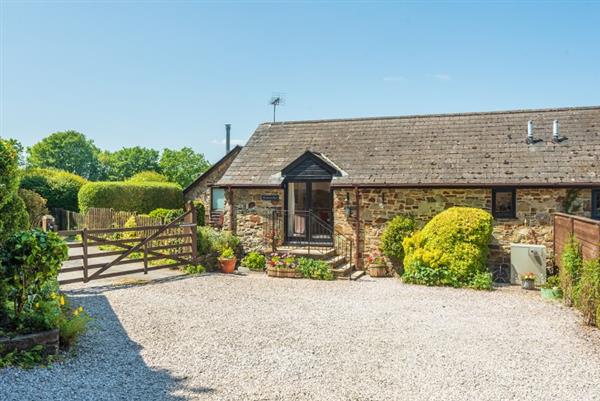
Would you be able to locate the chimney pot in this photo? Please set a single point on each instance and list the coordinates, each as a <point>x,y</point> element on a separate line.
<point>556,131</point>
<point>227,138</point>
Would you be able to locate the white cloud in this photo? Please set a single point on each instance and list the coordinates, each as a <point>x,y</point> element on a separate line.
<point>442,77</point>
<point>394,78</point>
<point>233,141</point>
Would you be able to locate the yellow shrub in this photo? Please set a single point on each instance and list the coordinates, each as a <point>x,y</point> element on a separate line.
<point>451,249</point>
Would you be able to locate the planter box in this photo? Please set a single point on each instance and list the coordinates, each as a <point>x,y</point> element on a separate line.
<point>378,271</point>
<point>528,284</point>
<point>283,272</point>
<point>48,339</point>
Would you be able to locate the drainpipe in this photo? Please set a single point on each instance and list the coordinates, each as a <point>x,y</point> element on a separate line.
<point>230,201</point>
<point>357,244</point>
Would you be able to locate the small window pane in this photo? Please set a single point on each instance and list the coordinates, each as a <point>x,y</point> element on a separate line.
<point>504,203</point>
<point>596,203</point>
<point>218,198</point>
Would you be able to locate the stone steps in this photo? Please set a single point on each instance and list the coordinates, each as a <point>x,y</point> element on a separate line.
<point>314,253</point>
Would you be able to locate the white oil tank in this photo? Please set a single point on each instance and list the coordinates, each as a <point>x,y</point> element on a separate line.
<point>525,258</point>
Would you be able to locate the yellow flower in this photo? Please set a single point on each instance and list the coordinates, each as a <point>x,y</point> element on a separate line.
<point>80,309</point>
<point>37,305</point>
<point>53,295</point>
<point>76,312</point>
<point>62,300</point>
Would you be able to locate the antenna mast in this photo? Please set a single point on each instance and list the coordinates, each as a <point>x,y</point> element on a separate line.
<point>276,101</point>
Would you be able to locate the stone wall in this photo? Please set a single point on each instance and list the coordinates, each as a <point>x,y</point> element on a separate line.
<point>246,213</point>
<point>533,223</point>
<point>201,190</point>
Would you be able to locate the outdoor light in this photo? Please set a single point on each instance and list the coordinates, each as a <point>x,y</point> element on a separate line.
<point>347,207</point>
<point>382,200</point>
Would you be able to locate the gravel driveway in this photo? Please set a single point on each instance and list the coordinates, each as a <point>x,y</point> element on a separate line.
<point>217,337</point>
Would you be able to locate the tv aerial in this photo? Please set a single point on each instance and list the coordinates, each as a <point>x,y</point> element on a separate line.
<point>276,100</point>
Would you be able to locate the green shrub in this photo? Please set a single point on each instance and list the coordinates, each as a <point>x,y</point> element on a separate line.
<point>148,176</point>
<point>35,205</point>
<point>451,249</point>
<point>227,253</point>
<point>572,264</point>
<point>482,281</point>
<point>73,323</point>
<point>29,262</point>
<point>13,217</point>
<point>588,292</point>
<point>9,177</point>
<point>13,213</point>
<point>254,261</point>
<point>140,197</point>
<point>200,212</point>
<point>395,231</point>
<point>166,214</point>
<point>58,187</point>
<point>315,269</point>
<point>194,269</point>
<point>211,243</point>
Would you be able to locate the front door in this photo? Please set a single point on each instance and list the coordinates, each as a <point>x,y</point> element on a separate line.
<point>309,214</point>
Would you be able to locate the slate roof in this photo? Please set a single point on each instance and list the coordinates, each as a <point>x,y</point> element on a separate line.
<point>466,149</point>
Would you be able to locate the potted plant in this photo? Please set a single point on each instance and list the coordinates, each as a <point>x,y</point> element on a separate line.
<point>377,265</point>
<point>528,281</point>
<point>283,266</point>
<point>551,288</point>
<point>227,260</point>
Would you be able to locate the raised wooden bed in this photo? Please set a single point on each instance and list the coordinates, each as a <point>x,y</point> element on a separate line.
<point>378,271</point>
<point>48,339</point>
<point>283,272</point>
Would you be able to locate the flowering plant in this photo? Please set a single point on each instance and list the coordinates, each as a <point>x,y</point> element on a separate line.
<point>528,276</point>
<point>285,261</point>
<point>376,259</point>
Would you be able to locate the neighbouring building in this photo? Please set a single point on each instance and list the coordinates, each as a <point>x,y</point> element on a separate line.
<point>339,181</point>
<point>213,196</point>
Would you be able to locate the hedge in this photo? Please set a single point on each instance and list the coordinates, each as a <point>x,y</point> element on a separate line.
<point>148,176</point>
<point>13,214</point>
<point>140,197</point>
<point>451,249</point>
<point>58,187</point>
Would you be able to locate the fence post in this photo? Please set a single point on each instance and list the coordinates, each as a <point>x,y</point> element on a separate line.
<point>146,259</point>
<point>190,220</point>
<point>84,240</point>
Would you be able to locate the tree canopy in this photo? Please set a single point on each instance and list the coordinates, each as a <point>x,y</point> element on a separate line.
<point>125,163</point>
<point>182,166</point>
<point>70,151</point>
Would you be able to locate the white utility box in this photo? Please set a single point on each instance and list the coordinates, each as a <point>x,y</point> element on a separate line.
<point>525,258</point>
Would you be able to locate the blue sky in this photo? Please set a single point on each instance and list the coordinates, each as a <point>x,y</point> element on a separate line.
<point>171,74</point>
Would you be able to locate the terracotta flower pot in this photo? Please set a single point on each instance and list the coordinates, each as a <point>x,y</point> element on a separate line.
<point>227,265</point>
<point>378,271</point>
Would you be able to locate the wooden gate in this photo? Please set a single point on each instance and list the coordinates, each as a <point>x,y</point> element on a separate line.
<point>103,253</point>
<point>586,232</point>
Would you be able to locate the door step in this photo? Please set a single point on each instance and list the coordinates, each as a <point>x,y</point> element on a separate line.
<point>342,271</point>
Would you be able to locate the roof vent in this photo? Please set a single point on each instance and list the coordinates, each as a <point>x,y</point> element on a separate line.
<point>530,138</point>
<point>556,138</point>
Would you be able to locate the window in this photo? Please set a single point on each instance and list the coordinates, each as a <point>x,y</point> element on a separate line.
<point>218,198</point>
<point>504,203</point>
<point>596,204</point>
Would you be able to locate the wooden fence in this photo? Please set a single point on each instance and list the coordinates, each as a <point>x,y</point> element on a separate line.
<point>149,247</point>
<point>586,231</point>
<point>99,218</point>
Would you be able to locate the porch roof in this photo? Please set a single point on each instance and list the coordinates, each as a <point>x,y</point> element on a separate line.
<point>466,149</point>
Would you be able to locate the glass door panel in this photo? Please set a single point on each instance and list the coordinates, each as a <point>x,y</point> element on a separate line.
<point>297,210</point>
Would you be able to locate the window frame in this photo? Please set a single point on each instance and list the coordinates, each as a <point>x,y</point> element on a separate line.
<point>596,204</point>
<point>212,198</point>
<point>504,215</point>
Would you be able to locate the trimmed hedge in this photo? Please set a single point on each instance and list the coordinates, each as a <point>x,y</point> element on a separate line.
<point>13,214</point>
<point>59,188</point>
<point>166,214</point>
<point>140,197</point>
<point>36,206</point>
<point>148,176</point>
<point>451,249</point>
<point>394,233</point>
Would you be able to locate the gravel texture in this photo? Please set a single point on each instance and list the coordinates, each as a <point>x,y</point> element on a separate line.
<point>217,337</point>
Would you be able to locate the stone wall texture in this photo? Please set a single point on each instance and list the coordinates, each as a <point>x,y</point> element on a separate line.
<point>533,222</point>
<point>201,190</point>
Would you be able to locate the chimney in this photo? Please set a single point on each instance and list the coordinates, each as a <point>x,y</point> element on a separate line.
<point>556,131</point>
<point>530,131</point>
<point>227,138</point>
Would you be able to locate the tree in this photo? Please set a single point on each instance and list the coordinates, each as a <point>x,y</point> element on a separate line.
<point>183,166</point>
<point>13,214</point>
<point>127,162</point>
<point>70,151</point>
